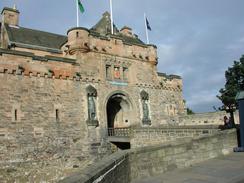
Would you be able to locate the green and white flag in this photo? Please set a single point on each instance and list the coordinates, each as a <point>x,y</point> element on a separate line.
<point>82,10</point>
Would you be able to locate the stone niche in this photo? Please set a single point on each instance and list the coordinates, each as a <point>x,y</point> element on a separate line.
<point>145,108</point>
<point>91,102</point>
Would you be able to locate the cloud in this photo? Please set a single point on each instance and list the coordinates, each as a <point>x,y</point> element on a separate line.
<point>203,101</point>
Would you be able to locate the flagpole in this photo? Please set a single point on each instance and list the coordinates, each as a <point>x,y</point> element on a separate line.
<point>111,16</point>
<point>77,13</point>
<point>146,28</point>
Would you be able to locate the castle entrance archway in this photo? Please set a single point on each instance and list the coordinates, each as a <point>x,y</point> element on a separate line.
<point>119,114</point>
<point>119,111</point>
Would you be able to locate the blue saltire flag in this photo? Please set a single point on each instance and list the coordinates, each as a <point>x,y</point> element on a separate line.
<point>148,25</point>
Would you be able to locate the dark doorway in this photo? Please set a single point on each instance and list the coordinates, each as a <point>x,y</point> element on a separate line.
<point>118,120</point>
<point>122,145</point>
<point>113,107</point>
<point>118,111</point>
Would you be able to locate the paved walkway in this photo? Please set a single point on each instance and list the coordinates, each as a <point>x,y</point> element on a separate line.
<point>227,169</point>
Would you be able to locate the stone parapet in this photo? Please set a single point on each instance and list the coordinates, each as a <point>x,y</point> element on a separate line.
<point>115,168</point>
<point>155,160</point>
<point>210,118</point>
<point>83,40</point>
<point>123,167</point>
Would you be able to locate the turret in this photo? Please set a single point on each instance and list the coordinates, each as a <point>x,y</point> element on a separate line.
<point>78,40</point>
<point>127,31</point>
<point>10,16</point>
<point>153,58</point>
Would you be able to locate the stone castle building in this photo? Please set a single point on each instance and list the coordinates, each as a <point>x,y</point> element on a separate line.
<point>63,96</point>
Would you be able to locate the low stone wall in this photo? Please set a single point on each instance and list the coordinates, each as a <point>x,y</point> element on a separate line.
<point>151,161</point>
<point>208,118</point>
<point>142,137</point>
<point>124,166</point>
<point>115,168</point>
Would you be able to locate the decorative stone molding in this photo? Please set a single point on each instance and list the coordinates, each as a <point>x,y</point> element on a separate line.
<point>47,75</point>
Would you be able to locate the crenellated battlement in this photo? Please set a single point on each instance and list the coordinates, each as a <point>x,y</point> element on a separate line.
<point>19,71</point>
<point>43,67</point>
<point>28,64</point>
<point>82,40</point>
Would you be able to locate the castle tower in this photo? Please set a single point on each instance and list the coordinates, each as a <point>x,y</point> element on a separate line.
<point>10,16</point>
<point>78,40</point>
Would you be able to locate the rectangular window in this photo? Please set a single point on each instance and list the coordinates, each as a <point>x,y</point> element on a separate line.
<point>108,71</point>
<point>125,73</point>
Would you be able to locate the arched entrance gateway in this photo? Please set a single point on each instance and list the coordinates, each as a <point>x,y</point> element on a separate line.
<point>119,115</point>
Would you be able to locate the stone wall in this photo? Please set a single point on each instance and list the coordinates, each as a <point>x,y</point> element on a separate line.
<point>142,137</point>
<point>43,117</point>
<point>33,139</point>
<point>151,161</point>
<point>115,168</point>
<point>155,160</point>
<point>210,118</point>
<point>165,102</point>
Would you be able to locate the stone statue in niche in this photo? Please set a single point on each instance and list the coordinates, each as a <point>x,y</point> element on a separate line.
<point>146,118</point>
<point>91,108</point>
<point>145,109</point>
<point>91,98</point>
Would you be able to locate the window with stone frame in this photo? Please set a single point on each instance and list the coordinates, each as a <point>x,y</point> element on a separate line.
<point>125,73</point>
<point>108,72</point>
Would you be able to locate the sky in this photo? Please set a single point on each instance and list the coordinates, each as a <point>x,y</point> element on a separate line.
<point>196,39</point>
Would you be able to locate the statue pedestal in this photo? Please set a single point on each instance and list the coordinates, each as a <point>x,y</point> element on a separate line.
<point>146,122</point>
<point>90,122</point>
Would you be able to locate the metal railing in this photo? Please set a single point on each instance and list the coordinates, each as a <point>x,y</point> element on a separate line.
<point>119,132</point>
